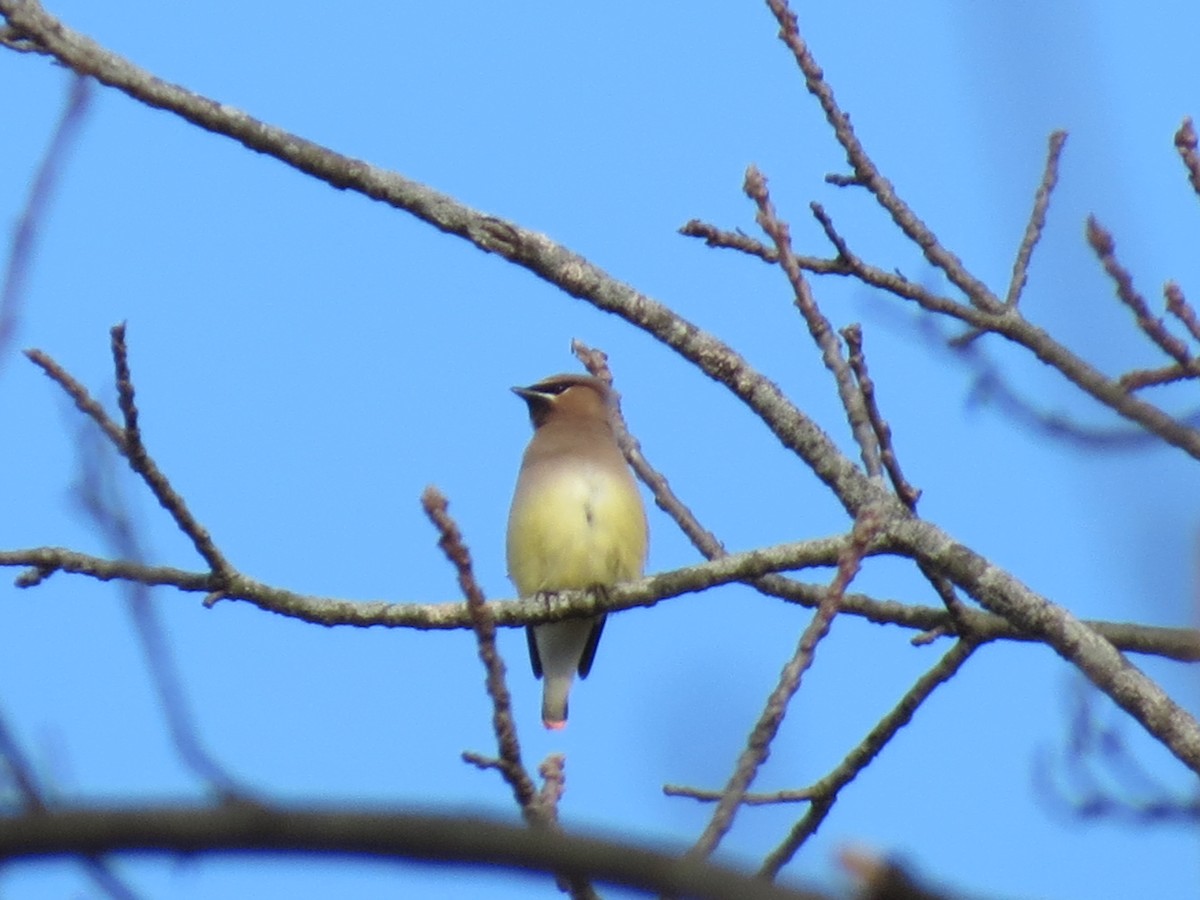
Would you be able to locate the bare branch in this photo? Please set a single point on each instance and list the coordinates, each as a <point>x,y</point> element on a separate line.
<point>80,396</point>
<point>1100,777</point>
<point>1182,644</point>
<point>596,362</point>
<point>128,441</point>
<point>883,433</point>
<point>986,313</point>
<point>141,463</point>
<point>750,798</point>
<point>100,500</point>
<point>999,592</point>
<point>731,240</point>
<point>823,793</point>
<point>510,765</point>
<point>21,252</point>
<point>553,781</point>
<point>957,610</point>
<point>1179,307</point>
<point>1138,379</point>
<point>995,589</point>
<point>379,834</point>
<point>905,491</point>
<point>826,790</point>
<point>767,727</point>
<point>866,173</point>
<point>818,326</point>
<point>567,270</point>
<point>1185,143</point>
<point>1037,219</point>
<point>1102,243</point>
<point>529,249</point>
<point>32,800</point>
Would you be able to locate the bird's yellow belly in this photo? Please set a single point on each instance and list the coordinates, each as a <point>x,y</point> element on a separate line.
<point>576,531</point>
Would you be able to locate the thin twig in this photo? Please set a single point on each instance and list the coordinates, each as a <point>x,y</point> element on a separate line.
<point>1155,424</point>
<point>954,606</point>
<point>988,314</point>
<point>826,790</point>
<point>97,495</point>
<point>868,175</point>
<point>554,783</point>
<point>79,395</point>
<point>730,240</point>
<point>33,801</point>
<point>21,251</point>
<point>596,362</point>
<point>818,326</point>
<point>1102,243</point>
<point>766,728</point>
<point>990,386</point>
<point>1138,379</point>
<point>141,463</point>
<point>1100,777</point>
<point>883,432</point>
<point>510,765</point>
<point>128,442</point>
<point>846,258</point>
<point>1185,143</point>
<point>750,798</point>
<point>1037,219</point>
<point>1178,306</point>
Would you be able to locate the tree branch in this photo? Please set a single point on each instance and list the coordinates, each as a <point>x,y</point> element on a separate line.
<point>825,792</point>
<point>31,27</point>
<point>24,238</point>
<point>381,834</point>
<point>510,765</point>
<point>1181,644</point>
<point>758,746</point>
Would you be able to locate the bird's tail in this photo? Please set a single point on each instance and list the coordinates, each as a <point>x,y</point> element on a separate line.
<point>557,651</point>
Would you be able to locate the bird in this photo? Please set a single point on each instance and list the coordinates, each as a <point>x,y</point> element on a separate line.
<point>577,522</point>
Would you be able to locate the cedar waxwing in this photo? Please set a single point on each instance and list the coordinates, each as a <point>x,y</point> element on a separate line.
<point>577,522</point>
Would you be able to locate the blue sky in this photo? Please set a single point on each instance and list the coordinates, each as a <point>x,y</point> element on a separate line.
<point>308,360</point>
